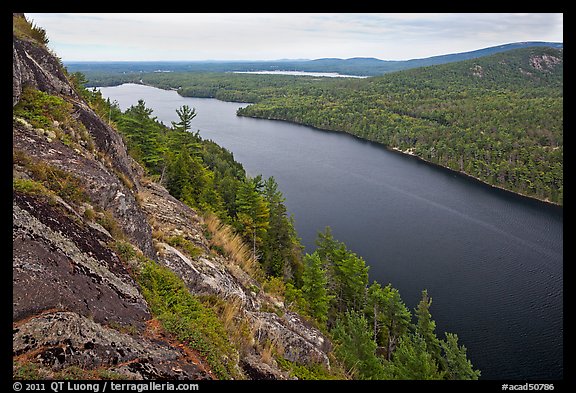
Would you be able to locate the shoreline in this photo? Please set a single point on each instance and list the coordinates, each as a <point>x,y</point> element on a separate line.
<point>410,154</point>
<point>391,149</point>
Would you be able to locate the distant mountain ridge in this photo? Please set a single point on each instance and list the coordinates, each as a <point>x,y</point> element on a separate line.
<point>362,66</point>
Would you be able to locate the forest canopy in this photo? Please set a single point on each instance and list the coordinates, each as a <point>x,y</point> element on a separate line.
<point>497,118</point>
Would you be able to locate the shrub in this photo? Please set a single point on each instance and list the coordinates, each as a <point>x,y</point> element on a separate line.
<point>22,28</point>
<point>184,316</point>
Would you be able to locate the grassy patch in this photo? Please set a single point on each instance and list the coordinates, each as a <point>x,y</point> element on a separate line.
<point>50,112</point>
<point>185,317</point>
<point>29,186</point>
<point>226,242</point>
<point>308,372</point>
<point>41,109</point>
<point>185,245</point>
<point>25,370</point>
<point>62,183</point>
<point>24,29</point>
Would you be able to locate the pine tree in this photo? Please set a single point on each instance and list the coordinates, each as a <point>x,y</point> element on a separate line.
<point>355,346</point>
<point>186,114</point>
<point>314,287</point>
<point>390,317</point>
<point>281,249</point>
<point>426,326</point>
<point>347,272</point>
<point>456,363</point>
<point>412,361</point>
<point>252,211</point>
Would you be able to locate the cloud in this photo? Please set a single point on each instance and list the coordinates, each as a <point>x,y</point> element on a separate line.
<point>285,35</point>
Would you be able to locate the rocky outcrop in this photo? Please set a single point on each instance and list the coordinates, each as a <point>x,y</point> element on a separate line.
<point>59,263</point>
<point>76,302</point>
<point>211,274</point>
<point>33,65</point>
<point>63,339</point>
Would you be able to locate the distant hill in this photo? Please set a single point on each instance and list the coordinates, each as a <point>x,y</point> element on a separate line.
<point>365,66</point>
<point>497,118</point>
<point>515,69</point>
<point>372,66</point>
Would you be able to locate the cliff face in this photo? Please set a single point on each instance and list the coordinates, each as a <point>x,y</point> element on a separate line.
<point>76,302</point>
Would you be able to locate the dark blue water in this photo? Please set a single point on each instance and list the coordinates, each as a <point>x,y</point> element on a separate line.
<point>491,261</point>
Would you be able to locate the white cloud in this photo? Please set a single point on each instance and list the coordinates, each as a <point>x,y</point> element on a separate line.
<point>283,35</point>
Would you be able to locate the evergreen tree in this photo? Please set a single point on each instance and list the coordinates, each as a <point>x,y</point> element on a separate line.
<point>456,363</point>
<point>186,114</point>
<point>144,135</point>
<point>355,346</point>
<point>347,272</point>
<point>281,249</point>
<point>253,212</point>
<point>426,326</point>
<point>412,361</point>
<point>314,287</point>
<point>390,317</point>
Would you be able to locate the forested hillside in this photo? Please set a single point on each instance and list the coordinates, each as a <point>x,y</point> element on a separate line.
<point>497,118</point>
<point>103,73</point>
<point>372,329</point>
<point>142,251</point>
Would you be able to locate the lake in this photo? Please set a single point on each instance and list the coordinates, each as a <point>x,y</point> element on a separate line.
<point>300,73</point>
<point>491,261</point>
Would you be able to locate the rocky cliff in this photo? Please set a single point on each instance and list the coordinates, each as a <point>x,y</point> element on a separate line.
<point>78,197</point>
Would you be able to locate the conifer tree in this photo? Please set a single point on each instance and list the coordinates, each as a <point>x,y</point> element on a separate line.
<point>252,211</point>
<point>186,114</point>
<point>390,317</point>
<point>314,287</point>
<point>426,326</point>
<point>412,361</point>
<point>355,346</point>
<point>456,363</point>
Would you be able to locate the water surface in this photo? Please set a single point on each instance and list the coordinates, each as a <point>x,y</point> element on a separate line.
<point>491,261</point>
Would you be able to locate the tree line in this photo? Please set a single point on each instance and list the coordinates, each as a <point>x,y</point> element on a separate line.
<point>498,118</point>
<point>375,334</point>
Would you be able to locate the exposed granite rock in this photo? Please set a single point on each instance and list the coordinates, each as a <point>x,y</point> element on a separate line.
<point>256,369</point>
<point>75,303</point>
<point>105,189</point>
<point>34,65</point>
<point>211,274</point>
<point>62,339</point>
<point>297,341</point>
<point>59,263</point>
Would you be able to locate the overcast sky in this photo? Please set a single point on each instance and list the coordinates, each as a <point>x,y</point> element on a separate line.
<point>261,36</point>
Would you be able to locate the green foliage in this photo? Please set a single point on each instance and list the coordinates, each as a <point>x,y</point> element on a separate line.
<point>47,177</point>
<point>497,118</point>
<point>253,212</point>
<point>457,364</point>
<point>184,244</point>
<point>347,273</point>
<point>307,372</point>
<point>355,346</point>
<point>314,287</point>
<point>389,315</point>
<point>426,326</point>
<point>29,186</point>
<point>370,325</point>
<point>185,114</point>
<point>27,370</point>
<point>48,112</point>
<point>184,316</point>
<point>281,246</point>
<point>41,109</point>
<point>24,29</point>
<point>412,361</point>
